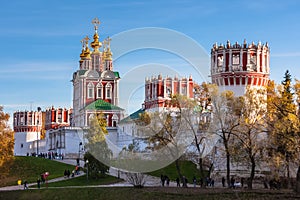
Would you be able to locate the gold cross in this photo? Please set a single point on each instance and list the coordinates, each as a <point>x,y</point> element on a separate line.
<point>108,39</point>
<point>96,23</point>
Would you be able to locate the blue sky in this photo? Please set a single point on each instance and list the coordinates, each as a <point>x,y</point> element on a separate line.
<point>40,40</point>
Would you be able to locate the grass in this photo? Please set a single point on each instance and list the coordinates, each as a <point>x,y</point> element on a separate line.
<point>152,193</point>
<point>187,168</point>
<point>82,181</point>
<point>30,168</point>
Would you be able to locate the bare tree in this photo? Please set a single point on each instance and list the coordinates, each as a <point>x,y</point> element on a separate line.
<point>136,179</point>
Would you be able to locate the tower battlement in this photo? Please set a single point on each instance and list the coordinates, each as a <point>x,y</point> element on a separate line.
<point>235,66</point>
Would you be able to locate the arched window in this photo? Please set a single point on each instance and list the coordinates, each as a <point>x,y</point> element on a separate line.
<point>169,92</point>
<point>100,90</point>
<point>108,91</point>
<point>115,118</point>
<point>183,90</point>
<point>90,90</point>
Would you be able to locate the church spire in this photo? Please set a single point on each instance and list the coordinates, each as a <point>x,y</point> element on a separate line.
<point>85,56</point>
<point>107,55</point>
<point>96,44</point>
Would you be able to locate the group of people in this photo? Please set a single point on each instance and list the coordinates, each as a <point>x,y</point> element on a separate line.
<point>49,155</point>
<point>67,172</point>
<point>165,180</point>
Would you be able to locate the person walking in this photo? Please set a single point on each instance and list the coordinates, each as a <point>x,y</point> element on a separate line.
<point>178,182</point>
<point>195,181</point>
<point>38,183</point>
<point>25,185</point>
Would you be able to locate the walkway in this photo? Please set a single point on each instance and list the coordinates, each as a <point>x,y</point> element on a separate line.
<point>21,187</point>
<point>150,181</point>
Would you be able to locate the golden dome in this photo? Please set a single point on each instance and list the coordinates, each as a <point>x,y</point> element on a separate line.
<point>87,53</point>
<point>96,44</point>
<point>108,54</point>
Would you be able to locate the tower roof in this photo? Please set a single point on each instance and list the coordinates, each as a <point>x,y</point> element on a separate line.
<point>102,105</point>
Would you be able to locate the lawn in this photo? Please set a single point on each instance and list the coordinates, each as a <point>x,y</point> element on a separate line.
<point>150,193</point>
<point>30,168</point>
<point>187,168</point>
<point>83,181</point>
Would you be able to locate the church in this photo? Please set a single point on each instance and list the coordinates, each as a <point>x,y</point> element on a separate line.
<point>96,90</point>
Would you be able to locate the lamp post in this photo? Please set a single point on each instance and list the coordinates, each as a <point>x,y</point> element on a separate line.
<point>87,169</point>
<point>78,160</point>
<point>37,131</point>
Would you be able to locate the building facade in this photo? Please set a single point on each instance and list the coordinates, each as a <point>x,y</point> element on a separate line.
<point>28,126</point>
<point>95,84</point>
<point>234,67</point>
<point>159,90</point>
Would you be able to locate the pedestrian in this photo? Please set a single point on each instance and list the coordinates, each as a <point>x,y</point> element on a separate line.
<point>194,181</point>
<point>184,181</point>
<point>76,169</point>
<point>25,185</point>
<point>223,181</point>
<point>212,182</point>
<point>162,179</point>
<point>38,183</point>
<point>68,173</point>
<point>178,182</point>
<point>65,173</point>
<point>43,178</point>
<point>167,180</point>
<point>201,182</point>
<point>232,181</point>
<point>242,182</point>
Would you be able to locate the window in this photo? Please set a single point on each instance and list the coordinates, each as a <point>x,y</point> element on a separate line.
<point>90,90</point>
<point>99,90</point>
<point>220,61</point>
<point>183,90</point>
<point>108,90</point>
<point>236,59</point>
<point>22,145</point>
<point>253,59</point>
<point>169,93</point>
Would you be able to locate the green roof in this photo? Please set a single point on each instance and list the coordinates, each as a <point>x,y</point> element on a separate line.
<point>81,72</point>
<point>117,75</point>
<point>102,105</point>
<point>133,116</point>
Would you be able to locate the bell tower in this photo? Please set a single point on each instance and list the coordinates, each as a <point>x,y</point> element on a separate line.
<point>95,84</point>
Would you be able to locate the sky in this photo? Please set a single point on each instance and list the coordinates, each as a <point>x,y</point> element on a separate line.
<point>40,41</point>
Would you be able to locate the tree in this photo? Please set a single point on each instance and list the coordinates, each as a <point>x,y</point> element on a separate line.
<point>138,180</point>
<point>196,115</point>
<point>164,128</point>
<point>6,139</point>
<point>251,131</point>
<point>283,126</point>
<point>98,155</point>
<point>225,120</point>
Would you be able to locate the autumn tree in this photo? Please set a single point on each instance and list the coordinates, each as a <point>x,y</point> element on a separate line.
<point>6,144</point>
<point>250,135</point>
<point>225,121</point>
<point>283,125</point>
<point>99,154</point>
<point>196,114</point>
<point>168,134</point>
